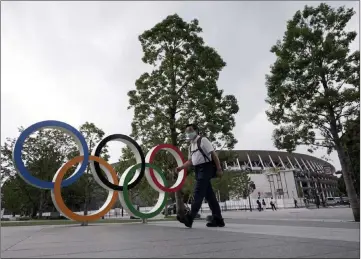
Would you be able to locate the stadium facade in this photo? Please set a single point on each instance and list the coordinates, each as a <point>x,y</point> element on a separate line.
<point>284,175</point>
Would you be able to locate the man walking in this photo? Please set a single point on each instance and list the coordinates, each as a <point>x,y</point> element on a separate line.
<point>206,164</point>
<point>273,206</point>
<point>295,201</point>
<point>259,205</point>
<point>317,201</point>
<point>263,204</point>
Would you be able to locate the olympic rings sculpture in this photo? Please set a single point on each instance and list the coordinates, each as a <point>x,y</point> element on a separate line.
<point>120,188</point>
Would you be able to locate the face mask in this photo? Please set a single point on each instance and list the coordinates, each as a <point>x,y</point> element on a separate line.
<point>191,136</point>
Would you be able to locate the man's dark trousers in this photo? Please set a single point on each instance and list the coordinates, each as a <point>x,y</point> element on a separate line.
<point>203,189</point>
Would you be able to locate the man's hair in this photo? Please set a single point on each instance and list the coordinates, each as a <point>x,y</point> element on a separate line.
<point>194,126</point>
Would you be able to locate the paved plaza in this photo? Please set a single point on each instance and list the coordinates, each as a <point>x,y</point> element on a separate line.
<point>323,233</point>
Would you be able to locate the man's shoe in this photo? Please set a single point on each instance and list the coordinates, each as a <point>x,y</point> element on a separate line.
<point>220,223</point>
<point>216,222</point>
<point>180,219</point>
<point>188,221</point>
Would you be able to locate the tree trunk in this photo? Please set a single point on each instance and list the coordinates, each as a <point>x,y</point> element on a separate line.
<point>178,194</point>
<point>347,176</point>
<point>41,203</point>
<point>346,168</point>
<point>179,203</point>
<point>85,223</point>
<point>34,211</point>
<point>166,209</point>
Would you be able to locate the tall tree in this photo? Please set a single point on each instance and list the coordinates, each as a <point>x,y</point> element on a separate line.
<point>181,88</point>
<point>313,87</point>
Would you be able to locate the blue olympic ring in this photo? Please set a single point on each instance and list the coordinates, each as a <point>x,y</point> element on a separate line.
<point>23,171</point>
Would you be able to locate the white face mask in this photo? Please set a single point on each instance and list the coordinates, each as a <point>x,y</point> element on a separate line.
<point>191,135</point>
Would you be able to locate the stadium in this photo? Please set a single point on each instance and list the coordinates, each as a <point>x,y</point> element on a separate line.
<point>284,175</point>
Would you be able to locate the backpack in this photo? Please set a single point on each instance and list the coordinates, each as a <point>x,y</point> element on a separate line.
<point>206,158</point>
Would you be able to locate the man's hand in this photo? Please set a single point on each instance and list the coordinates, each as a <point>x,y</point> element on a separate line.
<point>219,172</point>
<point>184,166</point>
<point>178,169</point>
<point>215,158</point>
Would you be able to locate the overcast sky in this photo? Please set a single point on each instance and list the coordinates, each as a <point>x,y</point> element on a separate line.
<point>76,61</point>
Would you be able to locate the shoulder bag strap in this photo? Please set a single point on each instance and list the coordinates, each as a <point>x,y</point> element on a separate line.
<point>201,150</point>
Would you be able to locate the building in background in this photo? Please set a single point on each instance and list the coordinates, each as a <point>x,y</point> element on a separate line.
<point>284,175</point>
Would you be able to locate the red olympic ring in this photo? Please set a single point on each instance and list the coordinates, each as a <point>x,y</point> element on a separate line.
<point>177,154</point>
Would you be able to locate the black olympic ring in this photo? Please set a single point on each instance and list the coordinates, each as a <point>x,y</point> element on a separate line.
<point>139,156</point>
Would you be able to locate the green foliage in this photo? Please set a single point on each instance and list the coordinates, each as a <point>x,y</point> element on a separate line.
<point>223,185</point>
<point>241,185</point>
<point>234,183</point>
<point>11,200</point>
<point>227,156</point>
<point>314,83</point>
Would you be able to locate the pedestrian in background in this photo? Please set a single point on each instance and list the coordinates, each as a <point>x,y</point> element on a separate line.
<point>317,201</point>
<point>296,206</point>
<point>272,203</point>
<point>263,204</point>
<point>259,205</point>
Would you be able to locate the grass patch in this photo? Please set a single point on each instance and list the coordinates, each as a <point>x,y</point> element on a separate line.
<point>70,222</point>
<point>170,217</point>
